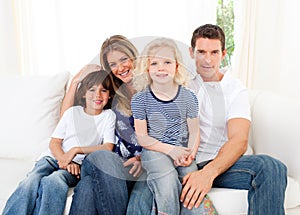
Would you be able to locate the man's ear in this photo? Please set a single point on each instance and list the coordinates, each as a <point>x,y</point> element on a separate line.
<point>191,50</point>
<point>224,54</point>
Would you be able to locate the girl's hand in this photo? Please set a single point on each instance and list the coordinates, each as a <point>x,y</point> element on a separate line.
<point>179,153</point>
<point>74,169</point>
<point>185,161</point>
<point>136,169</point>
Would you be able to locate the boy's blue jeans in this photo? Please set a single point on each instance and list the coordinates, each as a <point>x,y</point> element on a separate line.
<point>43,191</point>
<point>263,176</point>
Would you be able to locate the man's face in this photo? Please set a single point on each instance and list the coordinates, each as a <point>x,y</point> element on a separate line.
<point>208,56</point>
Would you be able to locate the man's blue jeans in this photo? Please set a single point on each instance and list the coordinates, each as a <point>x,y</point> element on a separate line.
<point>263,176</point>
<point>43,191</point>
<point>103,188</point>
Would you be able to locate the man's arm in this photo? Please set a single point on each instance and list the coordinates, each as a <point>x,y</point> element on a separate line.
<point>197,184</point>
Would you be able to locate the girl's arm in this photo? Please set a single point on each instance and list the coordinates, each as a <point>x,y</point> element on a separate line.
<point>68,100</point>
<point>153,144</point>
<point>194,135</point>
<point>194,141</point>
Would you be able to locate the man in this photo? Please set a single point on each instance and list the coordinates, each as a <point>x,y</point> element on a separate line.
<point>225,120</point>
<point>224,124</point>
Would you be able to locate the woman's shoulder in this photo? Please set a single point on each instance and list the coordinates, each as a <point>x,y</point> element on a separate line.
<point>141,94</point>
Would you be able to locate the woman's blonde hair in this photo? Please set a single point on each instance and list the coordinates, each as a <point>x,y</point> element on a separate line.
<point>121,44</point>
<point>141,78</point>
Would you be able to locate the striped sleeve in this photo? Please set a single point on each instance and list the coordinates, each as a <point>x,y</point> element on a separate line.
<point>138,106</point>
<point>193,105</point>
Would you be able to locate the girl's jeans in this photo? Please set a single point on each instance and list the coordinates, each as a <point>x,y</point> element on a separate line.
<point>163,179</point>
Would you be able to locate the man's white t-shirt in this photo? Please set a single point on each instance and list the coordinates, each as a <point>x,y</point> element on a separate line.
<point>218,103</point>
<point>77,128</point>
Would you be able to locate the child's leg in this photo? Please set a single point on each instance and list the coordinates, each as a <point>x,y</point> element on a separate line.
<point>163,181</point>
<point>184,170</point>
<point>206,207</point>
<point>22,201</point>
<point>53,192</point>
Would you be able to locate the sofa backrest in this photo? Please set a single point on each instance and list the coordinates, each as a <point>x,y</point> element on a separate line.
<point>29,113</point>
<point>275,128</point>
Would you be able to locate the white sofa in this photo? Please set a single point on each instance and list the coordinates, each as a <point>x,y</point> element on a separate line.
<point>30,110</point>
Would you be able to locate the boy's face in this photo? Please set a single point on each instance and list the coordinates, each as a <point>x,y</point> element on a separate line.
<point>208,56</point>
<point>96,98</point>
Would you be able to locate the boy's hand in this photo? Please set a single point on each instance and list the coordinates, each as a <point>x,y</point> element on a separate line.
<point>74,169</point>
<point>67,158</point>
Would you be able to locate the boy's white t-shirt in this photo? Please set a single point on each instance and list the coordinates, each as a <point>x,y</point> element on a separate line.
<point>77,128</point>
<point>218,103</point>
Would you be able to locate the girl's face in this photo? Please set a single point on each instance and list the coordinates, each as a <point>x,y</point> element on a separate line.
<point>121,65</point>
<point>96,98</point>
<point>162,66</point>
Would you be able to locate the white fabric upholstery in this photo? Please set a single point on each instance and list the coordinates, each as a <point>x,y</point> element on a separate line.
<point>29,113</point>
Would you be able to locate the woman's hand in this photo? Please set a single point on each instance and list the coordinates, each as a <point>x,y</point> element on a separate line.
<point>87,69</point>
<point>136,169</point>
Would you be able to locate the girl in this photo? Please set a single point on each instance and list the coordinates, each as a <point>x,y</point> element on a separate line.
<point>166,121</point>
<point>84,128</point>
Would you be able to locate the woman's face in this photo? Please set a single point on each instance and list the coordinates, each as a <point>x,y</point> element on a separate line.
<point>121,65</point>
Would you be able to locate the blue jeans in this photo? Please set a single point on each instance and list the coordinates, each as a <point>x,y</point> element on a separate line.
<point>104,186</point>
<point>43,191</point>
<point>163,179</point>
<point>263,176</point>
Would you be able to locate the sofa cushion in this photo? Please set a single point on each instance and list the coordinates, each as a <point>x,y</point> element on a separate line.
<point>29,113</point>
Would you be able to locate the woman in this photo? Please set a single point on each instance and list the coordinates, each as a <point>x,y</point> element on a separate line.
<point>102,188</point>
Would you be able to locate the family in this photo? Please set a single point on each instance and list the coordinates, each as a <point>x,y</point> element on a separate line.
<point>141,135</point>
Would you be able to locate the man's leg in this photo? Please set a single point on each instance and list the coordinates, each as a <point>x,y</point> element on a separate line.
<point>264,177</point>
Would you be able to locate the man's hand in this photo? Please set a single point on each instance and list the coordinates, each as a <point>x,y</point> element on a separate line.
<point>195,186</point>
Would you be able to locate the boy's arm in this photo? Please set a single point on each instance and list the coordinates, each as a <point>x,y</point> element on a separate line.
<point>55,146</point>
<point>153,144</point>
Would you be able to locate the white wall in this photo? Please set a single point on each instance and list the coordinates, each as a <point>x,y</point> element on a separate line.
<point>9,60</point>
<point>64,35</point>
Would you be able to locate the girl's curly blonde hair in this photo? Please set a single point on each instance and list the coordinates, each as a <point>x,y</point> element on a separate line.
<point>141,78</point>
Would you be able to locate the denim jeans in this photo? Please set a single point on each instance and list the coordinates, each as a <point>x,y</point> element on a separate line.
<point>163,179</point>
<point>103,188</point>
<point>43,191</point>
<point>263,176</point>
